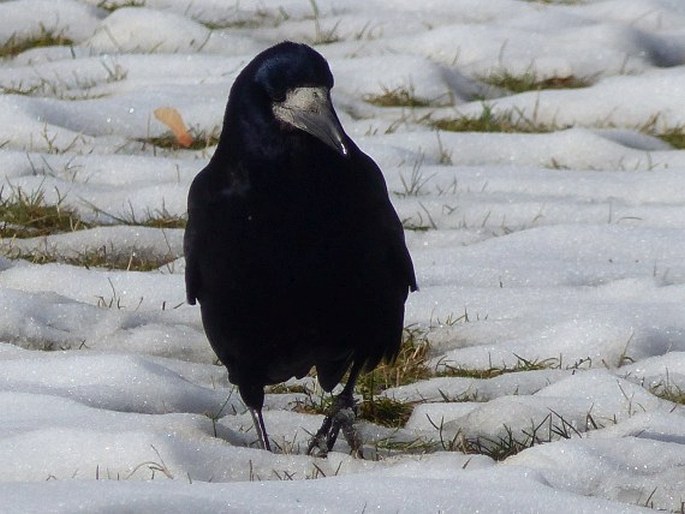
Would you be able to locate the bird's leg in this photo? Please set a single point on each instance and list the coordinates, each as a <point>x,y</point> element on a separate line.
<point>341,416</point>
<point>258,421</point>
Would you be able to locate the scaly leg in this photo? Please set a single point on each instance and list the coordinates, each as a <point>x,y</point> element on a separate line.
<point>258,421</point>
<point>341,416</point>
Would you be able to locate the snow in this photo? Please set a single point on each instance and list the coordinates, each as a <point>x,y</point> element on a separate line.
<point>556,255</point>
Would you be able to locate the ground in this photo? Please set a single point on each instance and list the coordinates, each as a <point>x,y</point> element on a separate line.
<point>533,152</point>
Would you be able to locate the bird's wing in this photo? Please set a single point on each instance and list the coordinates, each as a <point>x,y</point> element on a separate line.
<point>195,237</point>
<point>390,225</point>
<point>192,274</point>
<point>400,257</point>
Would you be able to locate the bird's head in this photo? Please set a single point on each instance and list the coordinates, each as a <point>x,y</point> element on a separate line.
<point>295,81</point>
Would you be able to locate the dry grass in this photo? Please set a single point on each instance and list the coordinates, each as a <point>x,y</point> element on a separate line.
<point>201,141</point>
<point>409,366</point>
<point>529,81</point>
<point>674,136</point>
<point>491,121</point>
<point>102,257</point>
<point>46,37</point>
<point>24,215</point>
<point>398,97</point>
<point>449,370</point>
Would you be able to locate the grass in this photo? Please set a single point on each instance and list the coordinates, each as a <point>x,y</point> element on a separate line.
<point>322,36</point>
<point>448,370</point>
<point>491,121</point>
<point>409,366</point>
<point>529,81</point>
<point>414,184</point>
<point>668,391</point>
<point>157,218</point>
<point>656,126</point>
<point>153,466</point>
<point>421,222</point>
<point>55,87</point>
<point>385,411</point>
<point>674,136</point>
<point>168,141</point>
<point>415,225</point>
<point>390,445</point>
<point>45,37</point>
<point>102,257</point>
<point>261,17</point>
<point>398,97</point>
<point>25,215</point>
<point>113,5</point>
<point>552,427</point>
<point>160,219</point>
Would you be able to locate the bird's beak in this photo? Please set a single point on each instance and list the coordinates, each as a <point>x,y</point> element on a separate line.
<point>310,109</point>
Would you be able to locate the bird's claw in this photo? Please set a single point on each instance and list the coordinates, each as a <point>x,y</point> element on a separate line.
<point>340,418</point>
<point>348,417</point>
<point>320,440</point>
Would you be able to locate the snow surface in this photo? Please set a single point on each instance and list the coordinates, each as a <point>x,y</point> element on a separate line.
<point>564,248</point>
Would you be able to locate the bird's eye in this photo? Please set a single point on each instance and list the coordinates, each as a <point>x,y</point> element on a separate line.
<point>275,94</point>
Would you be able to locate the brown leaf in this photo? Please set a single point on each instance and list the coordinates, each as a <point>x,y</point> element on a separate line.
<point>172,119</point>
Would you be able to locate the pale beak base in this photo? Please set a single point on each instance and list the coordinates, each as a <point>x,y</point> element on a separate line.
<point>310,109</point>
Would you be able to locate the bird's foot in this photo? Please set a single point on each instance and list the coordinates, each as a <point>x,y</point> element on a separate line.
<point>319,445</point>
<point>347,423</point>
<point>342,416</point>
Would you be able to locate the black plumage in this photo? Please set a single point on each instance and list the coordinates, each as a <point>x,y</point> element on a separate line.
<point>292,246</point>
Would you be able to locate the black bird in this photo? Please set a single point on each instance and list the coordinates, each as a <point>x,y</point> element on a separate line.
<point>292,246</point>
